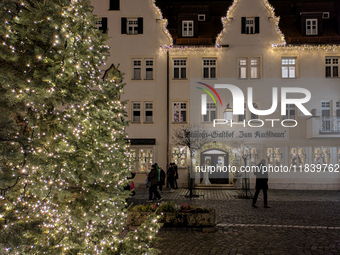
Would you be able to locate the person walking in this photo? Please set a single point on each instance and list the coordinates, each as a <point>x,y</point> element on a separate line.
<point>171,176</point>
<point>176,175</point>
<point>261,183</point>
<point>153,182</point>
<point>162,177</point>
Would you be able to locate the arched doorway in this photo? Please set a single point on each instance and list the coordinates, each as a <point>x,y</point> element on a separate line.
<point>216,158</point>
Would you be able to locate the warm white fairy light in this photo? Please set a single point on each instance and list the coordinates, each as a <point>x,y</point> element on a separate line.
<point>56,177</point>
<point>227,19</point>
<point>306,47</point>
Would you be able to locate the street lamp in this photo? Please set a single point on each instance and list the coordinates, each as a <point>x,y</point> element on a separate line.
<point>228,113</point>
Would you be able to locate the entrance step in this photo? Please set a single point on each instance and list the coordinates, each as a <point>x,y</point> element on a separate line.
<point>215,186</point>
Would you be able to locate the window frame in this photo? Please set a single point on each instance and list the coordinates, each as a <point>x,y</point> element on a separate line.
<point>310,31</point>
<point>134,66</point>
<point>250,26</point>
<point>332,65</point>
<point>133,109</point>
<point>209,110</point>
<point>209,66</point>
<point>289,107</point>
<point>246,68</point>
<point>146,109</point>
<point>187,22</point>
<point>149,66</point>
<point>289,64</point>
<point>137,151</point>
<point>180,66</point>
<point>182,155</point>
<point>180,111</point>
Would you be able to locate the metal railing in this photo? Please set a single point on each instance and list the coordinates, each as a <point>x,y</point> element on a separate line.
<point>330,125</point>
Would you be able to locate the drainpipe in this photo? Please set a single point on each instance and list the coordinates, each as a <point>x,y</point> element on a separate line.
<point>167,112</point>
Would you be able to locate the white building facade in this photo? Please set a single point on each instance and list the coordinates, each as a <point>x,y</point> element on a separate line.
<point>163,71</point>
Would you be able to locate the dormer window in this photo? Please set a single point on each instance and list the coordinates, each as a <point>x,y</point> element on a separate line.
<point>311,26</point>
<point>187,28</point>
<point>250,25</point>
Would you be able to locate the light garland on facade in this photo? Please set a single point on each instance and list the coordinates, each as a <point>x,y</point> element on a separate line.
<point>306,47</point>
<point>190,49</point>
<point>228,18</point>
<point>164,21</point>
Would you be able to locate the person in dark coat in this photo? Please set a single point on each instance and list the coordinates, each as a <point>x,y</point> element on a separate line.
<point>171,176</point>
<point>153,182</point>
<point>176,175</point>
<point>261,183</point>
<point>162,177</point>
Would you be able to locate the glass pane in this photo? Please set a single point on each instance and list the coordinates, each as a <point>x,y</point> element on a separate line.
<point>137,73</point>
<point>213,72</point>
<point>212,115</point>
<point>176,73</point>
<point>183,116</point>
<point>284,72</point>
<point>183,73</point>
<point>254,73</point>
<point>206,72</point>
<point>206,117</point>
<point>243,72</point>
<point>335,71</point>
<point>149,73</point>
<point>291,72</point>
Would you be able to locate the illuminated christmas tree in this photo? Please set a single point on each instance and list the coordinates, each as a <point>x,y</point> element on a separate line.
<point>64,159</point>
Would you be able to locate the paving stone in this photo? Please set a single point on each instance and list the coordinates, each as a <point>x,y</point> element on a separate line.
<point>299,222</point>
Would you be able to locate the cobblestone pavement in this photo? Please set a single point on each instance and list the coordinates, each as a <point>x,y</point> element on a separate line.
<point>299,222</point>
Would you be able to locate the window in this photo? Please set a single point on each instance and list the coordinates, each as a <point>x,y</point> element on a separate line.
<point>211,113</point>
<point>325,116</point>
<point>209,68</point>
<point>332,67</point>
<point>253,156</point>
<point>290,112</point>
<point>102,24</point>
<point>254,68</point>
<point>241,118</point>
<point>325,15</point>
<point>252,115</point>
<point>311,26</point>
<point>321,155</point>
<point>337,110</point>
<point>242,68</point>
<point>148,112</point>
<point>251,70</point>
<point>179,156</point>
<point>180,68</point>
<point>250,25</point>
<point>187,28</point>
<point>132,26</point>
<point>114,5</point>
<point>144,158</point>
<point>179,110</point>
<point>274,156</point>
<point>298,156</point>
<point>137,69</point>
<point>148,69</point>
<point>288,68</point>
<point>201,17</point>
<point>136,108</point>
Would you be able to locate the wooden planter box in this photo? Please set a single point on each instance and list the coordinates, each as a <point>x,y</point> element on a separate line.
<point>178,220</point>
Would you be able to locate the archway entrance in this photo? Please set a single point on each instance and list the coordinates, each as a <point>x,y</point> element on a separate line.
<point>217,158</point>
